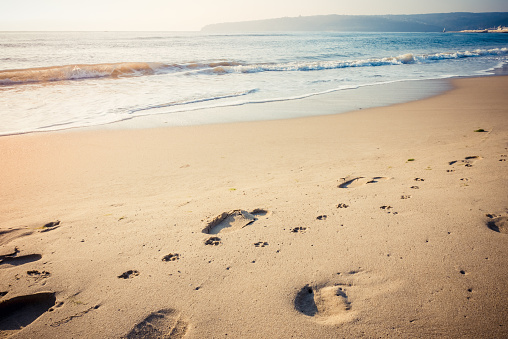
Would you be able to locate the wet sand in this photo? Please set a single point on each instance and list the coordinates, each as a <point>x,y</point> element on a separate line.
<point>383,222</point>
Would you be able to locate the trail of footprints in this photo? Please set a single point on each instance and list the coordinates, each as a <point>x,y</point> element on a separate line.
<point>21,310</point>
<point>327,303</point>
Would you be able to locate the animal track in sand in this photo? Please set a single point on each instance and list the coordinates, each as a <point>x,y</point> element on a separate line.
<point>405,196</point>
<point>467,161</point>
<point>261,244</point>
<point>387,209</point>
<point>163,324</point>
<point>351,182</point>
<point>498,223</point>
<point>418,179</point>
<point>37,275</point>
<point>171,257</point>
<point>129,274</point>
<point>19,312</point>
<point>503,157</point>
<point>298,229</point>
<point>321,217</point>
<point>342,205</point>
<point>233,220</point>
<point>214,241</point>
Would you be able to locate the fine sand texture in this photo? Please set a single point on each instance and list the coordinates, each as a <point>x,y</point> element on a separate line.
<point>384,222</point>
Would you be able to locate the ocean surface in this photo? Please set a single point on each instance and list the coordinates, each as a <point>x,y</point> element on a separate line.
<point>60,80</point>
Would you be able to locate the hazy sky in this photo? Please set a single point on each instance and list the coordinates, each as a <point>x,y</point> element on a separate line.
<point>193,14</point>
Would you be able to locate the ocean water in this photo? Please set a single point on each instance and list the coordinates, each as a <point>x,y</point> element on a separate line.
<point>59,80</point>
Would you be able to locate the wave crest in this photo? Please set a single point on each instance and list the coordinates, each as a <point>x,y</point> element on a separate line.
<point>127,69</point>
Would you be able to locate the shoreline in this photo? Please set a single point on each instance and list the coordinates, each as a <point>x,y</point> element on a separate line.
<point>371,223</point>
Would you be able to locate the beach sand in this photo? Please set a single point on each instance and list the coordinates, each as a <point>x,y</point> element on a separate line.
<point>383,222</point>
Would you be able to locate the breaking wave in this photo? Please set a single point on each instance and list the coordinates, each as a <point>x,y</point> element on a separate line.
<point>110,70</point>
<point>130,69</point>
<point>408,58</point>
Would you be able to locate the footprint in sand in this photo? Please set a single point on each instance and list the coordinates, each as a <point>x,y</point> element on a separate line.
<point>325,304</point>
<point>171,257</point>
<point>299,229</point>
<point>19,312</point>
<point>467,161</point>
<point>261,244</point>
<point>129,274</point>
<point>12,259</point>
<point>503,157</point>
<point>8,235</point>
<point>165,323</point>
<point>233,220</point>
<point>38,275</point>
<point>213,241</point>
<point>498,223</point>
<point>351,182</point>
<point>341,300</point>
<point>342,205</point>
<point>50,226</point>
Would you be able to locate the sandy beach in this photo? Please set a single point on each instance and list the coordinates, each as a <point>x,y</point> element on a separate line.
<point>382,222</point>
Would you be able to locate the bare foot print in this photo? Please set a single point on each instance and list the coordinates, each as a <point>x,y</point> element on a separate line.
<point>165,323</point>
<point>498,223</point>
<point>19,312</point>
<point>15,260</point>
<point>129,274</point>
<point>325,304</point>
<point>233,221</point>
<point>351,182</point>
<point>343,298</point>
<point>467,161</point>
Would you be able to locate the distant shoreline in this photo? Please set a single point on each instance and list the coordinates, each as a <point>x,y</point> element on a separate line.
<point>503,30</point>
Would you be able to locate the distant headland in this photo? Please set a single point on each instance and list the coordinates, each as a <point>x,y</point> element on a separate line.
<point>435,22</point>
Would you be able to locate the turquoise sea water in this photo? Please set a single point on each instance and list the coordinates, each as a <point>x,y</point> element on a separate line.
<point>51,81</point>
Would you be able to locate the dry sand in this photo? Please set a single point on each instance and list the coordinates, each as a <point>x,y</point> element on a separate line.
<point>316,227</point>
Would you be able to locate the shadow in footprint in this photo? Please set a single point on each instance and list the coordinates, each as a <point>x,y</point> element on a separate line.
<point>165,323</point>
<point>129,274</point>
<point>498,223</point>
<point>351,182</point>
<point>21,260</point>
<point>21,311</point>
<point>327,304</point>
<point>233,220</point>
<point>467,161</point>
